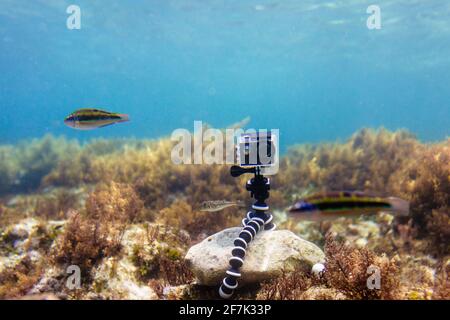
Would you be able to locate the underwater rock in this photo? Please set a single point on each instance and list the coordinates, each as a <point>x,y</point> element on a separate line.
<point>21,230</point>
<point>51,282</point>
<point>115,277</point>
<point>361,233</point>
<point>322,293</point>
<point>267,255</point>
<point>43,296</point>
<point>16,242</point>
<point>176,292</point>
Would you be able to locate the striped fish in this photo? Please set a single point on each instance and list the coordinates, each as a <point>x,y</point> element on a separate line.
<point>332,205</point>
<point>87,119</point>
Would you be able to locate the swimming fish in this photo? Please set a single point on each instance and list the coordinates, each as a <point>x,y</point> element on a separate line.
<point>87,119</point>
<point>217,205</point>
<point>240,124</point>
<point>332,205</point>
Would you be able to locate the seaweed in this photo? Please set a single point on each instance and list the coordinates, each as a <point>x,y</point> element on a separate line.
<point>345,277</point>
<point>289,285</point>
<point>116,205</point>
<point>98,231</point>
<point>38,157</point>
<point>427,180</point>
<point>161,257</point>
<point>23,167</point>
<point>441,290</point>
<point>366,161</point>
<point>348,270</point>
<point>56,204</point>
<point>135,181</point>
<point>438,226</point>
<point>83,243</point>
<point>81,167</point>
<point>182,216</point>
<point>9,169</point>
<point>15,282</point>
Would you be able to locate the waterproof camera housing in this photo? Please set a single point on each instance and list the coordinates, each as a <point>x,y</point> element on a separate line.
<point>258,149</point>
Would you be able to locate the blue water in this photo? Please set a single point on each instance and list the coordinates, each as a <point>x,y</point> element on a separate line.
<point>309,68</point>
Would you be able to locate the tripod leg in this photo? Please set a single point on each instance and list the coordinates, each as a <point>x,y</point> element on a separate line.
<point>255,221</point>
<point>229,283</point>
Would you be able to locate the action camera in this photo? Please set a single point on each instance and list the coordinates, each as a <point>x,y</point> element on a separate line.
<point>256,149</point>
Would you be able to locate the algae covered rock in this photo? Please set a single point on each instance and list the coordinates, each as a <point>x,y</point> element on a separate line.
<point>267,255</point>
<point>116,277</point>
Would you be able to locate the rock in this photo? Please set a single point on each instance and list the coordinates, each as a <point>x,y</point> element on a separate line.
<point>16,243</point>
<point>112,278</point>
<point>115,277</point>
<point>42,296</point>
<point>322,293</point>
<point>20,231</point>
<point>176,292</point>
<point>268,254</point>
<point>361,233</point>
<point>52,281</point>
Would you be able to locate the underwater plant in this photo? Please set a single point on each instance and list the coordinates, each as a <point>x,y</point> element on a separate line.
<point>347,270</point>
<point>438,226</point>
<point>160,258</point>
<point>289,285</point>
<point>98,230</point>
<point>365,162</point>
<point>23,166</point>
<point>55,204</point>
<point>148,167</point>
<point>9,216</point>
<point>83,243</point>
<point>78,169</point>
<point>38,157</point>
<point>15,282</point>
<point>116,205</point>
<point>9,169</point>
<point>182,216</point>
<point>105,187</point>
<point>441,285</point>
<point>425,181</point>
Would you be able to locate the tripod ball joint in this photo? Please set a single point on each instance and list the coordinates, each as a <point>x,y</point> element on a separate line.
<point>264,218</point>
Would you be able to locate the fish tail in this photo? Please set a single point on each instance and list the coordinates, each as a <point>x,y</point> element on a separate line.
<point>399,206</point>
<point>124,117</point>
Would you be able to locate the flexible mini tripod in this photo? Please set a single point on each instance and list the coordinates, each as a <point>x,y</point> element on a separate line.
<point>255,221</point>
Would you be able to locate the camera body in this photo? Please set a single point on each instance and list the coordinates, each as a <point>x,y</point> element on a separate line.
<point>258,149</point>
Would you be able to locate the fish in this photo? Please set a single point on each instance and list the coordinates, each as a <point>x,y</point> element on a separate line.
<point>218,205</point>
<point>336,204</point>
<point>240,124</point>
<point>88,119</point>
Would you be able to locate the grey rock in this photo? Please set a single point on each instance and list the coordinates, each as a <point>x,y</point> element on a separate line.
<point>267,255</point>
